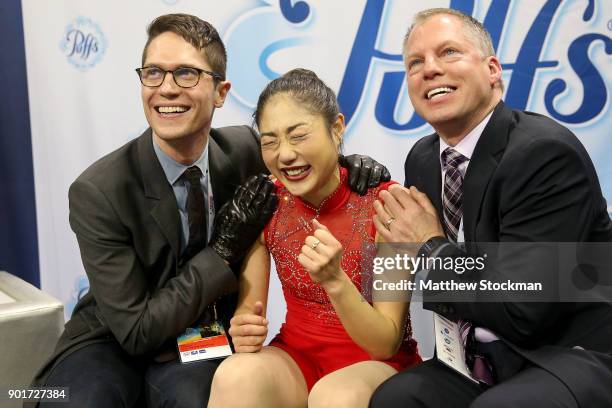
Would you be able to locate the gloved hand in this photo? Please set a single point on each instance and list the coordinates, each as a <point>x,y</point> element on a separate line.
<point>239,221</point>
<point>363,172</point>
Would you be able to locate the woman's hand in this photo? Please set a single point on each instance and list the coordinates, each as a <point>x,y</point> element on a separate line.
<point>321,255</point>
<point>249,330</point>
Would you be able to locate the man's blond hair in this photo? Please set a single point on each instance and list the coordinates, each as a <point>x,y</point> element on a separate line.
<point>472,28</point>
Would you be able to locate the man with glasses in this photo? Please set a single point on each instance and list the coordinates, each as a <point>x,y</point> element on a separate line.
<point>159,246</point>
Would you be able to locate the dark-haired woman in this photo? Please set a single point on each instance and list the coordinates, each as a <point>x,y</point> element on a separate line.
<point>334,348</point>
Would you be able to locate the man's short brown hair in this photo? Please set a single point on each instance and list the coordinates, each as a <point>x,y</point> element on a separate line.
<point>197,32</point>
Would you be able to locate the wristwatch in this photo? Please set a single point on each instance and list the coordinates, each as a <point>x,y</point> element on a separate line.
<point>431,244</point>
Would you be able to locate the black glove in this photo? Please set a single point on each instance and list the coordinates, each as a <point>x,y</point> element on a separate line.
<point>241,220</point>
<point>364,172</point>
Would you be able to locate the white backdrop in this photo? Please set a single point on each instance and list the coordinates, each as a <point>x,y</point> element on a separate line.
<point>85,96</point>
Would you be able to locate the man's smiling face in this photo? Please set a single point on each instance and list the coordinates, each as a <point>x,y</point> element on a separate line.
<point>451,84</point>
<point>176,113</point>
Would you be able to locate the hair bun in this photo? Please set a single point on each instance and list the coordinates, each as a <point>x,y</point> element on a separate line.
<point>306,88</point>
<point>301,73</point>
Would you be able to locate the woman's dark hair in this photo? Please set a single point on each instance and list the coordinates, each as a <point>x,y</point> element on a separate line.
<point>305,86</point>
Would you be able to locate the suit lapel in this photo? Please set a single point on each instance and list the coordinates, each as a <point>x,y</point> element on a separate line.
<point>431,174</point>
<point>482,165</point>
<point>223,176</point>
<point>159,192</point>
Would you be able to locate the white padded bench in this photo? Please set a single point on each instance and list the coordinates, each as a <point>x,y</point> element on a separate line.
<point>30,324</point>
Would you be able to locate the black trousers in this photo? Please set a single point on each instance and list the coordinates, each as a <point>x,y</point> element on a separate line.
<point>103,375</point>
<point>432,385</point>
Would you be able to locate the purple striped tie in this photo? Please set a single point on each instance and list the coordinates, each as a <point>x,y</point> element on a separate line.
<point>478,364</point>
<point>452,197</point>
<point>452,202</point>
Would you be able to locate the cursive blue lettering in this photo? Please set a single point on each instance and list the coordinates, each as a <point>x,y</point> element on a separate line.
<point>364,53</point>
<point>358,66</point>
<point>82,45</point>
<point>495,19</point>
<point>387,102</point>
<point>527,62</point>
<point>294,13</point>
<point>591,81</point>
<point>77,39</point>
<point>91,45</point>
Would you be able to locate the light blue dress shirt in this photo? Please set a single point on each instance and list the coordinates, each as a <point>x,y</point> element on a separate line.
<point>173,171</point>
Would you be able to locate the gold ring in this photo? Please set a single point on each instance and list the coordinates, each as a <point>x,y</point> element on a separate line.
<point>389,222</point>
<point>315,244</point>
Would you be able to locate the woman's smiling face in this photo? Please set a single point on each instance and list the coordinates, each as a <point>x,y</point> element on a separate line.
<point>299,148</point>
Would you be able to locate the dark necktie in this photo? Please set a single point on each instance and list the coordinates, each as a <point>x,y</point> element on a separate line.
<point>196,212</point>
<point>452,197</point>
<point>452,202</point>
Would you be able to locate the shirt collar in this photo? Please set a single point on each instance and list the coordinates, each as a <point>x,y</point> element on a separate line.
<point>467,145</point>
<point>173,169</point>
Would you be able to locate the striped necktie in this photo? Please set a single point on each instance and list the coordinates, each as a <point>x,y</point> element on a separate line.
<point>452,197</point>
<point>452,202</point>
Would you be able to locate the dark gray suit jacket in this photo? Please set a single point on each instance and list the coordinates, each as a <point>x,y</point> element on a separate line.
<point>124,214</point>
<point>529,180</point>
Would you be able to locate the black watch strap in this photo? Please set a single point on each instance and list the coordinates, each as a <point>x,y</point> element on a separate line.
<point>431,244</point>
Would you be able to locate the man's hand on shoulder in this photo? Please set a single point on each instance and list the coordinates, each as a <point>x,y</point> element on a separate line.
<point>241,220</point>
<point>363,172</point>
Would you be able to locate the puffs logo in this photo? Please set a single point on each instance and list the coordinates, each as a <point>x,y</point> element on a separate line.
<point>546,66</point>
<point>83,43</point>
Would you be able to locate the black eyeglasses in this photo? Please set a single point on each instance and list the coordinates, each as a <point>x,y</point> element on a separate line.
<point>185,77</point>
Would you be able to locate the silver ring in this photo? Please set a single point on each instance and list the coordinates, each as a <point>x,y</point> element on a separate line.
<point>315,244</point>
<point>389,222</point>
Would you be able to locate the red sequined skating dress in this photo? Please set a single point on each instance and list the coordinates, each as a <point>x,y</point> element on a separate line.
<point>312,333</point>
